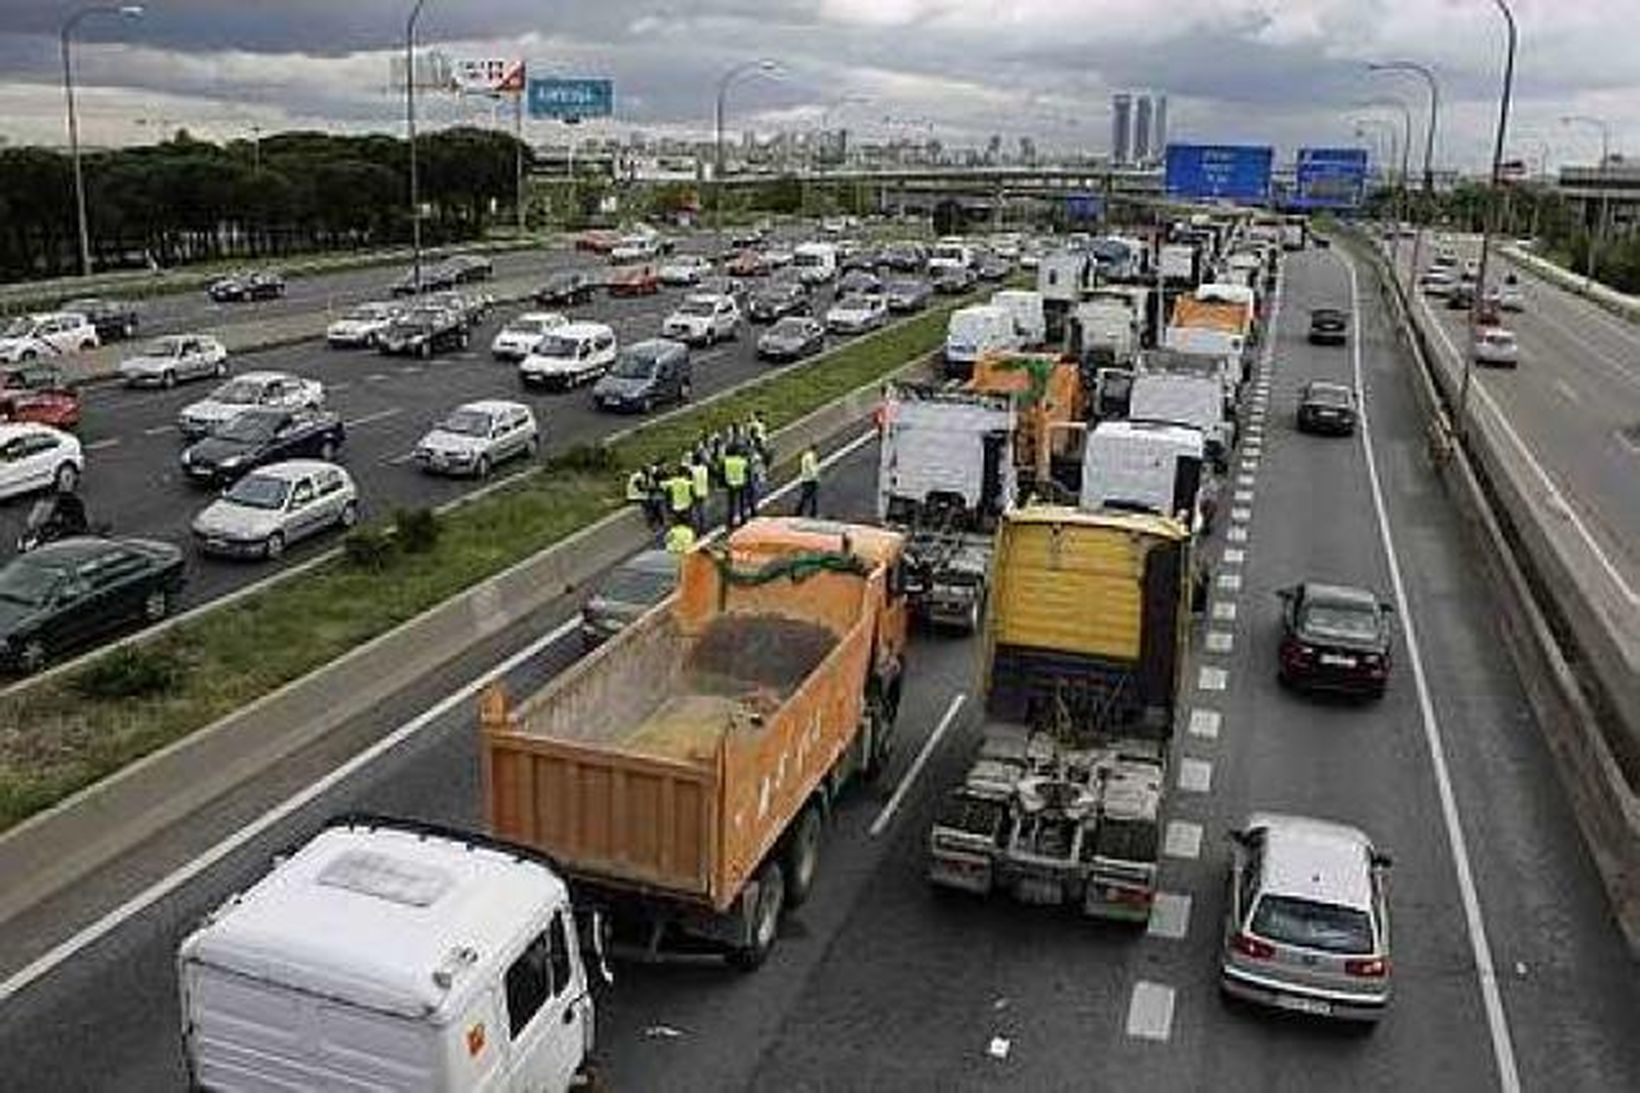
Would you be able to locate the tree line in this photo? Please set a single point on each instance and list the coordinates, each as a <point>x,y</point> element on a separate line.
<point>188,200</point>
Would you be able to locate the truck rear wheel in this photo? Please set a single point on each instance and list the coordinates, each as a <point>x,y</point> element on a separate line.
<point>877,726</point>
<point>802,857</point>
<point>771,896</point>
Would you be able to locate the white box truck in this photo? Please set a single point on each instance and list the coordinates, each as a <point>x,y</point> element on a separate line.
<point>974,331</point>
<point>1184,398</point>
<point>387,955</point>
<point>1146,466</point>
<point>1029,318</point>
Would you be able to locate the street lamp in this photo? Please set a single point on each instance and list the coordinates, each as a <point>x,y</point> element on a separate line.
<point>1428,76</point>
<point>735,72</point>
<point>1486,218</point>
<point>1599,234</point>
<point>410,127</point>
<point>1401,191</point>
<point>127,11</point>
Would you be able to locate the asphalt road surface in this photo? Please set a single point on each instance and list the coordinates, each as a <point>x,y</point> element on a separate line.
<point>879,982</point>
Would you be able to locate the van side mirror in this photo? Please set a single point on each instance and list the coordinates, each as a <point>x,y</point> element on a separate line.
<point>1380,860</point>
<point>1386,607</point>
<point>1240,838</point>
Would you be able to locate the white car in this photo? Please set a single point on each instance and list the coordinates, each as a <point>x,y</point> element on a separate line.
<point>857,314</point>
<point>1437,282</point>
<point>279,390</point>
<point>635,248</point>
<point>478,435</point>
<point>167,361</point>
<point>572,354</point>
<point>1508,297</point>
<point>685,269</point>
<point>1494,345</point>
<point>361,326</point>
<point>514,341</point>
<point>703,319</point>
<point>49,334</point>
<point>274,506</point>
<point>38,457</point>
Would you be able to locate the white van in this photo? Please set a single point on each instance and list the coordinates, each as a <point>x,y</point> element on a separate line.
<point>575,353</point>
<point>975,331</point>
<point>382,956</point>
<point>816,263</point>
<point>1026,307</point>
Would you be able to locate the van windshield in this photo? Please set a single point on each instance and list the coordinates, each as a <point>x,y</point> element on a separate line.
<point>1311,925</point>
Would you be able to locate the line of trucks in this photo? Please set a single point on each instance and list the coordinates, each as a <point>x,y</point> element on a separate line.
<point>667,793</point>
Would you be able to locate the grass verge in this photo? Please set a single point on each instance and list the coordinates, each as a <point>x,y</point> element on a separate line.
<point>68,731</point>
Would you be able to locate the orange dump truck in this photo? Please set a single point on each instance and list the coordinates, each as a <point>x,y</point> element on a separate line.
<point>1050,406</point>
<point>680,774</point>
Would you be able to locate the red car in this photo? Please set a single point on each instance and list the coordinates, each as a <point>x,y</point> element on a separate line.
<point>38,392</point>
<point>599,241</point>
<point>641,280</point>
<point>748,263</point>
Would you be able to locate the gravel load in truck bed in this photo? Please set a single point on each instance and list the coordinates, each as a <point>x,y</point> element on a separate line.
<point>742,655</point>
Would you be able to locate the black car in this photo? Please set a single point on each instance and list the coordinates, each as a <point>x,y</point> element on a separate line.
<point>1329,326</point>
<point>630,589</point>
<point>908,294</point>
<point>903,258</point>
<point>1462,296</point>
<point>113,318</point>
<point>1334,638</point>
<point>859,282</point>
<point>776,300</point>
<point>570,286</point>
<point>439,277</point>
<point>792,338</point>
<point>863,259</point>
<point>645,375</point>
<point>1325,407</point>
<point>68,593</point>
<point>255,285</point>
<point>261,436</point>
<point>423,332</point>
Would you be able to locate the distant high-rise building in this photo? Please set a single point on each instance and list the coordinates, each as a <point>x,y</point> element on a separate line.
<point>1141,130</point>
<point>1158,127</point>
<point>1121,128</point>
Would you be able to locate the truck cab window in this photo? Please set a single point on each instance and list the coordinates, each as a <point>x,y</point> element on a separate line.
<point>529,982</point>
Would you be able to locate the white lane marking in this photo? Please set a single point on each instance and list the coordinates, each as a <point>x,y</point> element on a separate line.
<point>1503,1050</point>
<point>159,430</point>
<point>1234,556</point>
<point>399,460</point>
<point>1609,364</point>
<point>702,358</point>
<point>1170,911</point>
<point>342,385</point>
<point>1554,491</point>
<point>1246,479</point>
<point>1243,496</point>
<point>1224,611</point>
<point>1567,393</point>
<point>1250,463</point>
<point>1183,840</point>
<point>1205,723</point>
<point>105,925</point>
<point>377,377</point>
<point>1220,641</point>
<point>379,415</point>
<point>1229,582</point>
<point>1241,515</point>
<point>933,741</point>
<point>1211,678</point>
<point>1150,1011</point>
<point>411,370</point>
<point>103,445</point>
<point>1195,775</point>
<point>1236,535</point>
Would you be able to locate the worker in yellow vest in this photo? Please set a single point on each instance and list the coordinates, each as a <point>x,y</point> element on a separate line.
<point>808,478</point>
<point>680,539</point>
<point>680,495</point>
<point>700,479</point>
<point>736,471</point>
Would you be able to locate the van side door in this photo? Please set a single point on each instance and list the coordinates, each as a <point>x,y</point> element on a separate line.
<point>549,1010</point>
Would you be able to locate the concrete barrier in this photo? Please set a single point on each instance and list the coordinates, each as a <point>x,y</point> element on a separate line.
<point>1541,605</point>
<point>1618,303</point>
<point>49,851</point>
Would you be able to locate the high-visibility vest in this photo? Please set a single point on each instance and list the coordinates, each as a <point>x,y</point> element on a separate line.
<point>679,538</point>
<point>681,491</point>
<point>637,487</point>
<point>703,481</point>
<point>734,471</point>
<point>759,431</point>
<point>809,467</point>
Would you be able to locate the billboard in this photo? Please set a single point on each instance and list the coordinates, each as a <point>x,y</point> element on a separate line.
<point>1236,172</point>
<point>1329,178</point>
<point>1082,206</point>
<point>487,76</point>
<point>560,98</point>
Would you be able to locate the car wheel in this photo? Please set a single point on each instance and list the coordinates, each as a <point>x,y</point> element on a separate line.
<point>28,355</point>
<point>327,450</point>
<point>802,857</point>
<point>33,656</point>
<point>128,328</point>
<point>66,478</point>
<point>464,340</point>
<point>274,546</point>
<point>686,391</point>
<point>349,515</point>
<point>532,447</point>
<point>157,605</point>
<point>771,897</point>
<point>645,405</point>
<point>221,368</point>
<point>481,469</point>
<point>168,379</point>
<point>424,350</point>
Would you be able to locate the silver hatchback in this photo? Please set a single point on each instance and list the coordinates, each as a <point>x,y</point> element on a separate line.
<point>1307,928</point>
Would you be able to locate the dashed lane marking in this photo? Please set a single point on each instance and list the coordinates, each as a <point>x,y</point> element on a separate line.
<point>1195,775</point>
<point>1170,911</point>
<point>1225,611</point>
<point>1241,515</point>
<point>399,460</point>
<point>1250,463</point>
<point>1234,556</point>
<point>159,430</point>
<point>887,814</point>
<point>1236,535</point>
<point>1246,479</point>
<point>1150,1011</point>
<point>1205,723</point>
<point>342,385</point>
<point>1568,393</point>
<point>1210,678</point>
<point>379,415</point>
<point>1220,641</point>
<point>1243,496</point>
<point>1183,840</point>
<point>1228,582</point>
<point>103,445</point>
<point>377,377</point>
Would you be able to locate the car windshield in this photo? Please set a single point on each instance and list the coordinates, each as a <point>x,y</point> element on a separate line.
<point>552,346</point>
<point>1329,393</point>
<point>19,328</point>
<point>854,303</point>
<point>634,364</point>
<point>250,428</point>
<point>1311,925</point>
<point>636,585</point>
<point>789,328</point>
<point>366,313</point>
<point>1498,338</point>
<point>259,491</point>
<point>1346,621</point>
<point>26,583</point>
<point>240,392</point>
<point>698,307</point>
<point>163,347</point>
<point>530,326</point>
<point>466,423</point>
<point>905,288</point>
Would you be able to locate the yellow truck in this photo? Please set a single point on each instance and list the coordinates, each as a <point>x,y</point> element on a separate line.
<point>679,775</point>
<point>1085,643</point>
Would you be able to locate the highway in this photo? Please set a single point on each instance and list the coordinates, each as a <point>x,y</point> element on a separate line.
<point>1509,972</point>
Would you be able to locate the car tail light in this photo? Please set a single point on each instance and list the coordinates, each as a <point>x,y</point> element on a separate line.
<point>1297,651</point>
<point>1249,946</point>
<point>1138,897</point>
<point>1375,967</point>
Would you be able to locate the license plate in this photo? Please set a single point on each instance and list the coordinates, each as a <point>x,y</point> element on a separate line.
<point>1304,1005</point>
<point>1335,661</point>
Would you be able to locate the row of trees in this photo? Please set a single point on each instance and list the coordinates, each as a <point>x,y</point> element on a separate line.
<point>188,200</point>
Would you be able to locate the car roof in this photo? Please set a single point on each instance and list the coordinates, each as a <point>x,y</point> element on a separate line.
<point>1329,385</point>
<point>10,430</point>
<point>1342,594</point>
<point>580,328</point>
<point>655,346</point>
<point>492,406</point>
<point>289,469</point>
<point>262,376</point>
<point>707,297</point>
<point>1312,859</point>
<point>70,552</point>
<point>537,317</point>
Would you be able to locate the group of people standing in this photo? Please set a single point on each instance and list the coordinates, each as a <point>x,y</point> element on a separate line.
<point>735,460</point>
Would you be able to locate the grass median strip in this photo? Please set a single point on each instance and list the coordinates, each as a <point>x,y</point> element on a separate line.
<point>68,731</point>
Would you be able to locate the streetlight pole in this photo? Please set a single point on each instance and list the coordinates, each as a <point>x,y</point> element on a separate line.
<point>410,128</point>
<point>1599,233</point>
<point>1428,76</point>
<point>1401,191</point>
<point>728,77</point>
<point>128,11</point>
<point>1486,219</point>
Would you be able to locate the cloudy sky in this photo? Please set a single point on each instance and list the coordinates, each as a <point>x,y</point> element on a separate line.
<point>1287,72</point>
